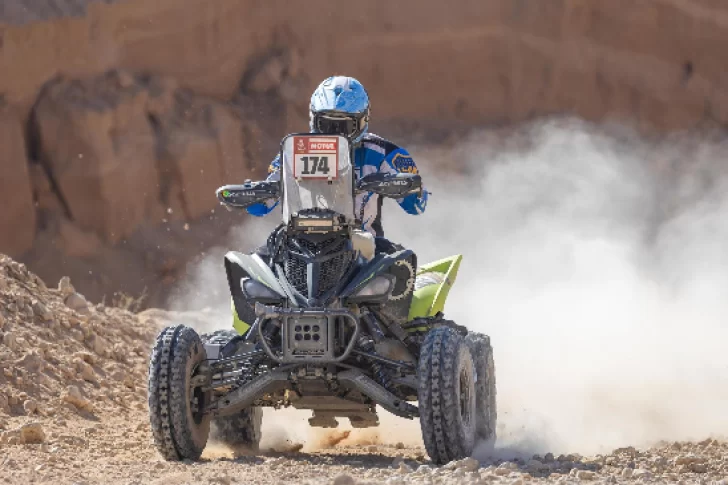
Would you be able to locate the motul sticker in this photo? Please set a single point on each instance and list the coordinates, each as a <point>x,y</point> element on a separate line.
<point>315,157</point>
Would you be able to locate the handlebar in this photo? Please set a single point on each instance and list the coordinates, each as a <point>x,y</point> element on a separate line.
<point>247,194</point>
<point>391,185</point>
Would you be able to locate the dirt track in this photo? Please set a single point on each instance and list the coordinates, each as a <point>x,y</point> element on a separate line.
<point>73,410</point>
<point>117,450</point>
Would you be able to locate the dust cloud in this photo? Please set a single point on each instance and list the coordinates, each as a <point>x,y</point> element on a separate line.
<point>204,289</point>
<point>598,270</point>
<point>286,428</point>
<point>600,274</point>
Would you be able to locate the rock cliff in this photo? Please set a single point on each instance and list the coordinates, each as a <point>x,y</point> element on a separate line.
<point>117,115</point>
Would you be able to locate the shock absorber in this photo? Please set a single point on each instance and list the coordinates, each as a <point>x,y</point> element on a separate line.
<point>272,327</point>
<point>373,326</point>
<point>397,331</point>
<point>380,374</point>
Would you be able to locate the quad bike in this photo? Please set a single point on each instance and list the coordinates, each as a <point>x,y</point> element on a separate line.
<point>324,322</point>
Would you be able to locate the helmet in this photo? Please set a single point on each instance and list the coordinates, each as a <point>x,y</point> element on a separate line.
<point>340,106</point>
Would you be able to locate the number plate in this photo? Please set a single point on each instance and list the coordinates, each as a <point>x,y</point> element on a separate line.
<point>315,157</point>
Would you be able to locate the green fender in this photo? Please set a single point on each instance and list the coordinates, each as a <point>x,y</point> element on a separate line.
<point>433,285</point>
<point>240,326</point>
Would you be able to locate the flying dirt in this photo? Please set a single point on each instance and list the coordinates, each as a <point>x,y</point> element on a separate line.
<point>597,269</point>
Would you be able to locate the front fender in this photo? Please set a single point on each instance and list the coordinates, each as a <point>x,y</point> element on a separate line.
<point>254,267</point>
<point>237,267</point>
<point>433,284</point>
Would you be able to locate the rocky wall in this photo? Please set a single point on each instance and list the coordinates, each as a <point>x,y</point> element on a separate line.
<point>123,113</point>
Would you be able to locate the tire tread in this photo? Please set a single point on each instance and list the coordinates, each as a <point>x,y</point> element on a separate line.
<point>437,395</point>
<point>167,393</point>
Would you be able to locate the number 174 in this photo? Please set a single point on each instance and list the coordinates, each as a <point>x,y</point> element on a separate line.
<point>313,165</point>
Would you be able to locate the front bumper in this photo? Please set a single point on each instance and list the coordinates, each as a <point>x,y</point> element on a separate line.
<point>309,335</point>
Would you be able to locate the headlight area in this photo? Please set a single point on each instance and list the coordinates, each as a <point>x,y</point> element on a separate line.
<point>257,291</point>
<point>375,290</point>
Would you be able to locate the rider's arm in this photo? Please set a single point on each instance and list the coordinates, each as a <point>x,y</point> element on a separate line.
<point>400,161</point>
<point>274,175</point>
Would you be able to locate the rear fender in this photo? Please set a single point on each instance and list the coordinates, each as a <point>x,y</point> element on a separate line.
<point>433,284</point>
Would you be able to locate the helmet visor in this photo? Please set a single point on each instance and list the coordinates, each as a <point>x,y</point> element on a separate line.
<point>330,124</point>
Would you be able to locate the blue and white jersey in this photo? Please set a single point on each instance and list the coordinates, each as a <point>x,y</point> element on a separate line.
<point>374,154</point>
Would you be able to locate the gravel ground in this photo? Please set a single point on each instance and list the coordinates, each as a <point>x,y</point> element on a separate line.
<point>73,410</point>
<point>119,450</point>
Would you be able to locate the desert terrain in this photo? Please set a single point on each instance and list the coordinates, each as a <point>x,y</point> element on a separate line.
<point>576,154</point>
<point>73,410</point>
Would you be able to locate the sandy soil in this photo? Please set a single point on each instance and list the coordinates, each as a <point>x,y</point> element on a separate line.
<point>73,410</point>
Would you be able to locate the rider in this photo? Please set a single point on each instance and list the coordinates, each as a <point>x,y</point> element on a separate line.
<point>340,106</point>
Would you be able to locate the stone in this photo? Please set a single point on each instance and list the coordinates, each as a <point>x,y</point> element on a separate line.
<point>73,396</point>
<point>343,480</point>
<point>65,287</point>
<point>31,362</point>
<point>12,341</point>
<point>689,459</point>
<point>77,302</point>
<point>585,475</point>
<point>468,464</point>
<point>42,311</point>
<point>32,433</point>
<point>87,357</point>
<point>86,371</point>
<point>100,346</point>
<point>502,471</point>
<point>30,406</point>
<point>641,473</point>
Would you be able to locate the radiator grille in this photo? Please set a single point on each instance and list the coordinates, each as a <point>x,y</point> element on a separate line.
<point>330,271</point>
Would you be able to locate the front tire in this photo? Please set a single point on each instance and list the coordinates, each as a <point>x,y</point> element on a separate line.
<point>447,396</point>
<point>179,427</point>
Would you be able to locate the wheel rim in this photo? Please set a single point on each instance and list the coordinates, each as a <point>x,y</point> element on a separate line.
<point>198,401</point>
<point>466,397</point>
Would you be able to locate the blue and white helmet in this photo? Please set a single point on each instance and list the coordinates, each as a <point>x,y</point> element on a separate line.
<point>340,105</point>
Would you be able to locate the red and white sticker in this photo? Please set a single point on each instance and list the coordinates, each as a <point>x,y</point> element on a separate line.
<point>316,157</point>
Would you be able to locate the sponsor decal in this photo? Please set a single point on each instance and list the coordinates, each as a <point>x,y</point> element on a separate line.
<point>315,157</point>
<point>404,164</point>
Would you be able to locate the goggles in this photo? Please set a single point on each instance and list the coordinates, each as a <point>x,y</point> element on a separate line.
<point>345,125</point>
